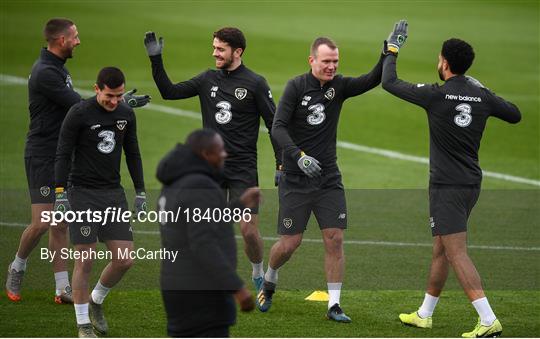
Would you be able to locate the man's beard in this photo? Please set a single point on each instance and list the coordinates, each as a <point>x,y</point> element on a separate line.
<point>226,63</point>
<point>439,70</point>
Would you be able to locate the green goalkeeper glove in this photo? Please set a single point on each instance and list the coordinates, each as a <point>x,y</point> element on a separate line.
<point>397,38</point>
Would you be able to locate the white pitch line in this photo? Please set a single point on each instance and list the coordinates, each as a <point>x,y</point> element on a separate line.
<point>348,242</point>
<point>10,79</point>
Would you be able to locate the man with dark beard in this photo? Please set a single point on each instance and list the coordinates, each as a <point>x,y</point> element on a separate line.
<point>232,98</point>
<point>457,113</point>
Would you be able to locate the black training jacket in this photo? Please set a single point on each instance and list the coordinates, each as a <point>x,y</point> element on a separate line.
<point>457,112</point>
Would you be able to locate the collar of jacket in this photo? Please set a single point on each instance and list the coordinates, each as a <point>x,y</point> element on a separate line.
<point>313,81</point>
<point>49,56</point>
<point>234,71</point>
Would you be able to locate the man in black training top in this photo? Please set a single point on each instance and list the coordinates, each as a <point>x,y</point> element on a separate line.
<point>305,128</point>
<point>200,286</point>
<point>232,99</point>
<point>93,134</point>
<point>50,94</point>
<point>457,112</point>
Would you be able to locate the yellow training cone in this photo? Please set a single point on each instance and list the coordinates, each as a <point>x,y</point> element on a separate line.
<point>318,296</point>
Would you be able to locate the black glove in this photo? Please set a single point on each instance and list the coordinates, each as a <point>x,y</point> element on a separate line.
<point>397,38</point>
<point>153,47</point>
<point>135,101</point>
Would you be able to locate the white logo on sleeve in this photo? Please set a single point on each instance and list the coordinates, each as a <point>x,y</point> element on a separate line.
<point>317,115</point>
<point>464,118</point>
<point>270,94</point>
<point>69,83</point>
<point>224,115</point>
<point>420,85</point>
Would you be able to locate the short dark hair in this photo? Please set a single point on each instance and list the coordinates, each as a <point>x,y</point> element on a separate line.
<point>111,77</point>
<point>233,36</point>
<point>322,41</point>
<point>459,54</point>
<point>55,27</point>
<point>201,140</point>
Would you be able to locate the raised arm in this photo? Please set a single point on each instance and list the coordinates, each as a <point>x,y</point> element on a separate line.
<point>363,83</point>
<point>418,94</point>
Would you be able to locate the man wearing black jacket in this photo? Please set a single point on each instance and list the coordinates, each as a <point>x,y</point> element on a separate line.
<point>457,113</point>
<point>233,99</point>
<point>305,127</point>
<point>92,137</point>
<point>198,287</point>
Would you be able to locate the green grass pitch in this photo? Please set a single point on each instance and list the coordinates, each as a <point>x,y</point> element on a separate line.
<point>388,239</point>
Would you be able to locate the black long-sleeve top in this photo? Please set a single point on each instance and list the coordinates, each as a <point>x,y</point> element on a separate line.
<point>90,147</point>
<point>307,116</point>
<point>50,96</point>
<point>232,103</point>
<point>457,113</point>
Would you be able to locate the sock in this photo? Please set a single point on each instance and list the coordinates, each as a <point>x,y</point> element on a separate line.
<point>334,290</point>
<point>81,312</point>
<point>99,293</point>
<point>487,317</point>
<point>62,280</point>
<point>271,275</point>
<point>257,270</point>
<point>18,264</point>
<point>428,306</point>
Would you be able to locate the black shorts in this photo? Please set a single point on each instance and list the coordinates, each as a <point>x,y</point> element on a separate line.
<point>300,195</point>
<point>40,177</point>
<point>236,181</point>
<point>90,231</point>
<point>450,207</point>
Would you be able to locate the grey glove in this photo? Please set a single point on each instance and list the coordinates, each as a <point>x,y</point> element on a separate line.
<point>61,203</point>
<point>153,47</point>
<point>309,165</point>
<point>140,202</point>
<point>397,38</point>
<point>135,101</point>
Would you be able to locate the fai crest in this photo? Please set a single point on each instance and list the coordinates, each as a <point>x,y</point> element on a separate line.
<point>45,191</point>
<point>121,124</point>
<point>85,231</point>
<point>240,93</point>
<point>287,222</point>
<point>330,93</point>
